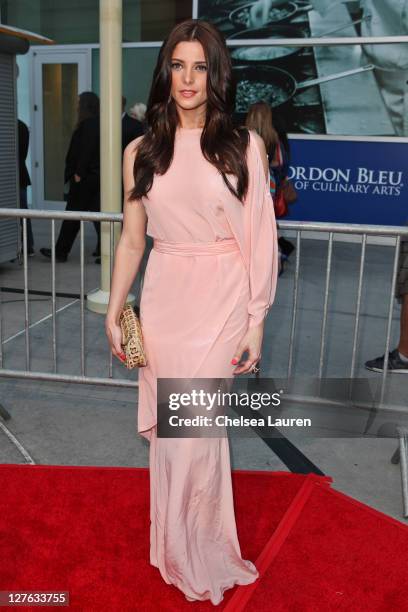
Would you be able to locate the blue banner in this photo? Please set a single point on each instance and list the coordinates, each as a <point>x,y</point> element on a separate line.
<point>349,182</point>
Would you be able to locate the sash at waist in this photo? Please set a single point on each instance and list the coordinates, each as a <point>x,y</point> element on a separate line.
<point>190,249</point>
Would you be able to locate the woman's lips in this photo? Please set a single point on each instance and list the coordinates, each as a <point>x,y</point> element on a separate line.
<point>187,93</point>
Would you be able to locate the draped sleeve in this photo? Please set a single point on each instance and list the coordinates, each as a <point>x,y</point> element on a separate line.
<point>260,237</point>
<point>254,226</point>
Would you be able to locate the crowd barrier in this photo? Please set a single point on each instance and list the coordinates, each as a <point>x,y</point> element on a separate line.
<point>296,228</point>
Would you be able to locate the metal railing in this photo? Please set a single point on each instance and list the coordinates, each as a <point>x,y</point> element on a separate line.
<point>351,229</point>
<point>364,231</point>
<point>111,218</point>
<point>298,226</point>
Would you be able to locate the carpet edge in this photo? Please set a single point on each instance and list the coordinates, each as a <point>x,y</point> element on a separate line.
<point>359,503</point>
<point>243,593</point>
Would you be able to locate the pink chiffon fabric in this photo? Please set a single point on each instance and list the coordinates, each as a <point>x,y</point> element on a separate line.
<point>211,274</point>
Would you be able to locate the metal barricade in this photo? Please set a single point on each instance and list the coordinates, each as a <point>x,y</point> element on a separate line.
<point>299,228</point>
<point>111,218</point>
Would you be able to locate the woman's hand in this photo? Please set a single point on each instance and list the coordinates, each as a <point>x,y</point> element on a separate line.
<point>251,342</point>
<point>77,178</point>
<point>114,334</point>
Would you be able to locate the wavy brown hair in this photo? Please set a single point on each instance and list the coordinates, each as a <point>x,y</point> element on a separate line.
<point>222,144</point>
<point>259,118</point>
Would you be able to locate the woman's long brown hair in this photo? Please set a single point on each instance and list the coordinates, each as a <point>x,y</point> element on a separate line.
<point>222,145</point>
<point>259,118</point>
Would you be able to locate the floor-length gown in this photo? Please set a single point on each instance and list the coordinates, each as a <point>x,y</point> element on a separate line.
<point>211,273</point>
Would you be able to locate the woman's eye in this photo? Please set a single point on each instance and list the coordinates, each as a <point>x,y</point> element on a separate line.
<point>200,67</point>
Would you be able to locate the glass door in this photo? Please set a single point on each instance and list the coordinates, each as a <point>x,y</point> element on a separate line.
<point>58,78</point>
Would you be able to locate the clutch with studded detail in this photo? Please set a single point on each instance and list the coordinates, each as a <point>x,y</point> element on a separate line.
<point>132,338</point>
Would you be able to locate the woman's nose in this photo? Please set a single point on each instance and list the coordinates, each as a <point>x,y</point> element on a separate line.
<point>188,76</point>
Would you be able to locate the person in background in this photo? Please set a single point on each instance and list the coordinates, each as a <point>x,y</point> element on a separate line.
<point>82,171</point>
<point>261,119</point>
<point>24,178</point>
<point>138,111</point>
<point>286,247</point>
<point>131,127</point>
<point>398,358</point>
<point>381,18</point>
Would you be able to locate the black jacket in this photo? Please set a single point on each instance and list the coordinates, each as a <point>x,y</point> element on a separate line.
<point>131,129</point>
<point>83,156</point>
<point>23,140</point>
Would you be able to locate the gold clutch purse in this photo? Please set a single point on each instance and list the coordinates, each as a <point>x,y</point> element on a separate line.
<point>132,339</point>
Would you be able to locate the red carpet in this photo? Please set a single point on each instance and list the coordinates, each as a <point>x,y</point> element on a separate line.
<point>86,530</point>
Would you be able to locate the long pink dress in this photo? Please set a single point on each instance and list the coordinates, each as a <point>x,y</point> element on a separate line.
<point>211,273</point>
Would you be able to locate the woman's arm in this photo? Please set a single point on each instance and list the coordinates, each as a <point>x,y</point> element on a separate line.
<point>262,237</point>
<point>263,255</point>
<point>129,251</point>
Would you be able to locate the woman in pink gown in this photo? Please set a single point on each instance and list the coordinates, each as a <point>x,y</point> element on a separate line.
<point>209,282</point>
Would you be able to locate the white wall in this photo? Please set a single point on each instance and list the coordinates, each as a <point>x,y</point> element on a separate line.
<point>23,105</point>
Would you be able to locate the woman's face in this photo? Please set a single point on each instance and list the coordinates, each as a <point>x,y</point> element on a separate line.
<point>189,75</point>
